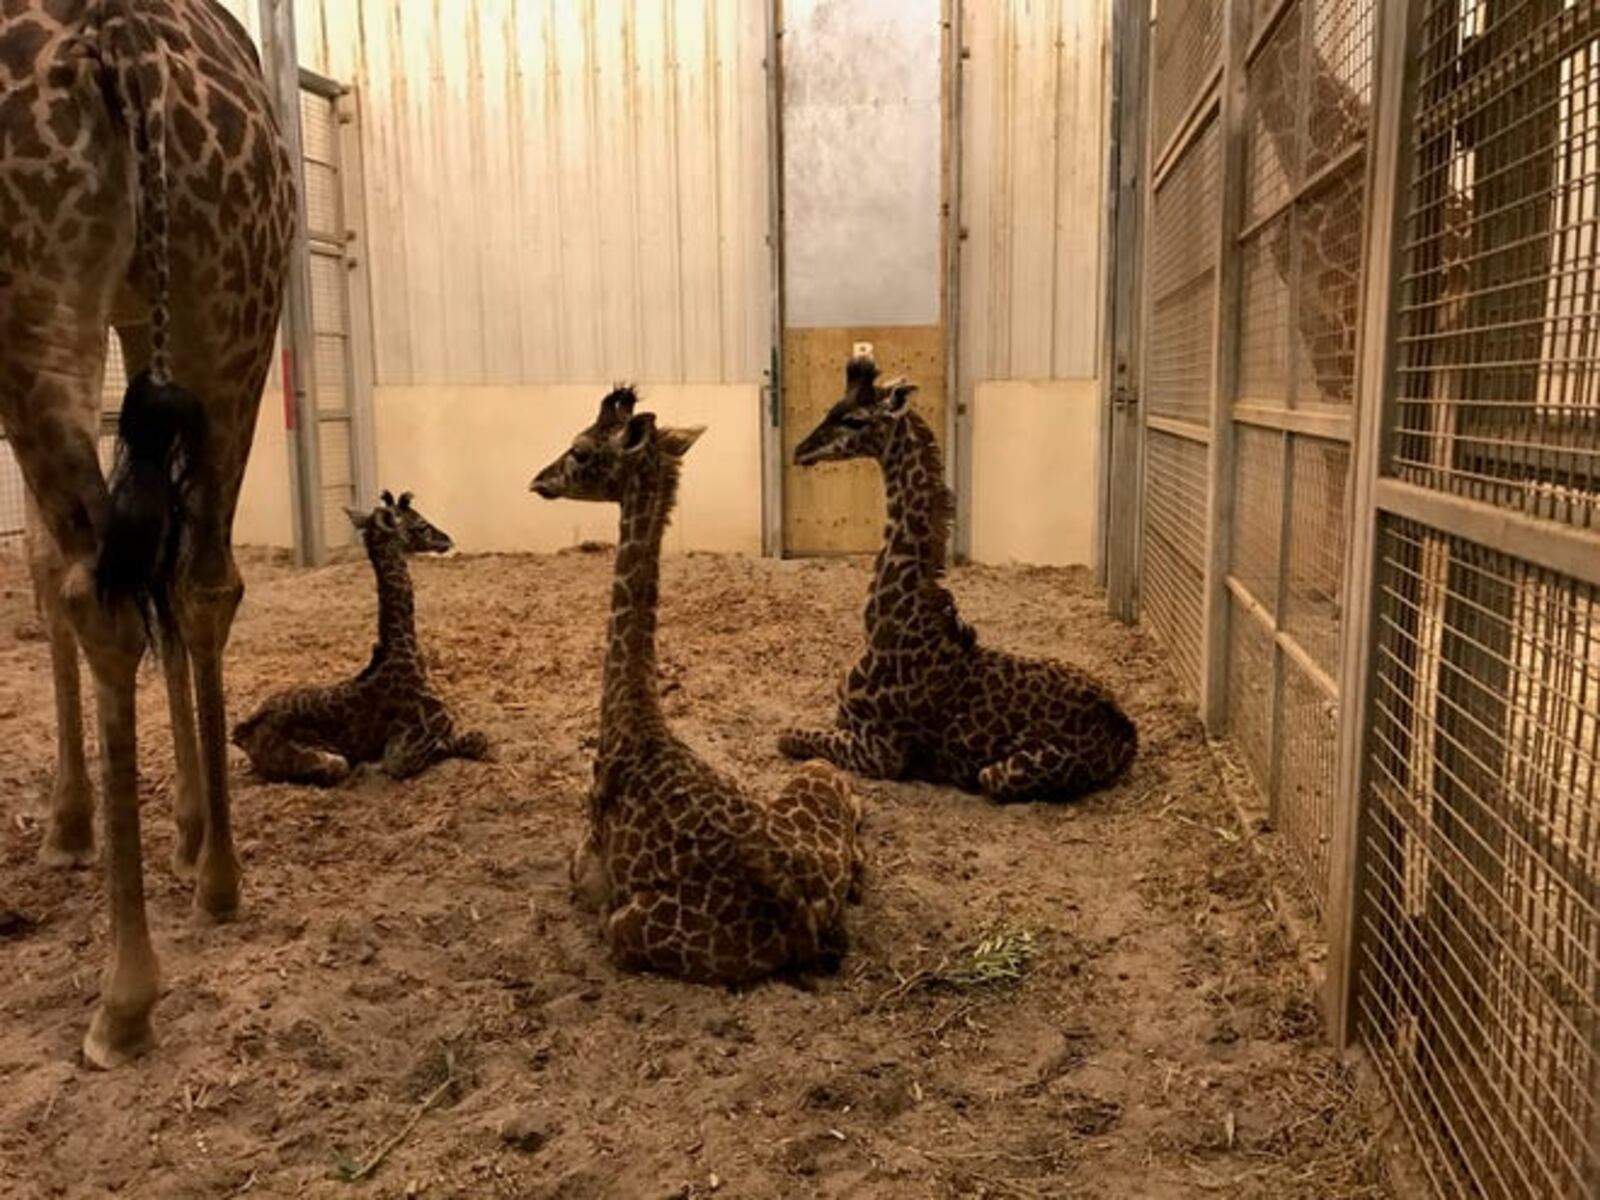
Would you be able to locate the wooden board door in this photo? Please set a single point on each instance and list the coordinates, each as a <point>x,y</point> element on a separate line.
<point>837,508</point>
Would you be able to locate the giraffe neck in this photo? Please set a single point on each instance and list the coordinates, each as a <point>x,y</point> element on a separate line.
<point>397,618</point>
<point>914,540</point>
<point>630,701</point>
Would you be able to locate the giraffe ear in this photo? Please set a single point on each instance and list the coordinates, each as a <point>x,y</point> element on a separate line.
<point>676,442</point>
<point>637,433</point>
<point>358,518</point>
<point>900,396</point>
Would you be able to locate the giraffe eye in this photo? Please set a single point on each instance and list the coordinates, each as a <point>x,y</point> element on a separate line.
<point>582,454</point>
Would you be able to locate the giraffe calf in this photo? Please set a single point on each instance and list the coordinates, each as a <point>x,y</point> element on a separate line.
<point>926,700</point>
<point>386,714</point>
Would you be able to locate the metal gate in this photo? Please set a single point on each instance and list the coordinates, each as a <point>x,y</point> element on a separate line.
<point>1370,497</point>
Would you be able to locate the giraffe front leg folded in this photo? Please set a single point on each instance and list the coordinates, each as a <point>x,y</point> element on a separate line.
<point>473,746</point>
<point>1039,771</point>
<point>278,758</point>
<point>876,756</point>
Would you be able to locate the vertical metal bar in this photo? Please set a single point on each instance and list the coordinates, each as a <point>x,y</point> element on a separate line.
<point>1389,169</point>
<point>772,464</point>
<point>1225,369</point>
<point>958,407</point>
<point>279,60</point>
<point>1121,379</point>
<point>358,348</point>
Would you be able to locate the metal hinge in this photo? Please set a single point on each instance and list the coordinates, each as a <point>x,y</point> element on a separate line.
<point>1124,397</point>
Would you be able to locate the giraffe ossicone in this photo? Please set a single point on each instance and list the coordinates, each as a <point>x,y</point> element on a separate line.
<point>926,700</point>
<point>690,875</point>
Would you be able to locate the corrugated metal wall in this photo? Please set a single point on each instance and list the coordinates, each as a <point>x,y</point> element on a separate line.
<point>1032,183</point>
<point>559,191</point>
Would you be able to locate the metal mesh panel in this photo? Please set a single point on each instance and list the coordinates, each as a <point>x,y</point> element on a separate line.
<point>1257,513</point>
<point>1329,223</point>
<point>1182,334</point>
<point>1173,574</point>
<point>13,498</point>
<point>1499,308</point>
<point>1272,119</point>
<point>1307,771</point>
<point>1340,96</point>
<point>1264,320</point>
<point>1314,558</point>
<point>1188,46</point>
<point>1479,988</point>
<point>1251,705</point>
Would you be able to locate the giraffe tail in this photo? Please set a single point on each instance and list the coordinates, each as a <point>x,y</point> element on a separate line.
<point>161,432</point>
<point>160,444</point>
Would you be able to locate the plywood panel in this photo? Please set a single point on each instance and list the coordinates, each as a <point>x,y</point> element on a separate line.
<point>837,508</point>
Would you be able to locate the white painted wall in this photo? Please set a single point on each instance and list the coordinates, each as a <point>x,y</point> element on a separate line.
<point>1033,153</point>
<point>559,191</point>
<point>861,128</point>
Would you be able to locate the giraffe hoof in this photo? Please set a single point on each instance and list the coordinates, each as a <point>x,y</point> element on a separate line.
<point>68,844</point>
<point>216,889</point>
<point>184,861</point>
<point>793,745</point>
<point>114,1040</point>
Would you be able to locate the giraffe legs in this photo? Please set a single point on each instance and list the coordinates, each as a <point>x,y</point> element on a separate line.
<point>120,1028</point>
<point>1047,771</point>
<point>69,836</point>
<point>188,796</point>
<point>133,334</point>
<point>204,607</point>
<point>277,756</point>
<point>875,756</point>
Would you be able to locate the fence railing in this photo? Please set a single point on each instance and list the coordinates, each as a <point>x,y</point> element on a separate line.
<point>1370,497</point>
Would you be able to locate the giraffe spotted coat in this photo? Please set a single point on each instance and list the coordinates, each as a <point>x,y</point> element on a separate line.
<point>690,875</point>
<point>926,700</point>
<point>387,713</point>
<point>143,187</point>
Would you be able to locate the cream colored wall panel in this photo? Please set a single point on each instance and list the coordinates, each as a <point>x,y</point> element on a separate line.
<point>265,516</point>
<point>1033,152</point>
<point>1035,456</point>
<point>470,453</point>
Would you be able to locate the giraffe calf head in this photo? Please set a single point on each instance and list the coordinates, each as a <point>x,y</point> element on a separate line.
<point>858,426</point>
<point>621,445</point>
<point>399,522</point>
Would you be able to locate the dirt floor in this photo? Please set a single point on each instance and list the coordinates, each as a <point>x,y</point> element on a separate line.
<point>1096,1000</point>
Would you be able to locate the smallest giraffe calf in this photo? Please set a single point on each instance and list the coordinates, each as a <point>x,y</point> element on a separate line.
<point>387,713</point>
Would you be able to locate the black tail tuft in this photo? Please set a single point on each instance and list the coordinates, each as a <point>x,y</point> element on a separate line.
<point>160,441</point>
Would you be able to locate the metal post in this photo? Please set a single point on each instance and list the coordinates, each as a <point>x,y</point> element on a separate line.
<point>772,463</point>
<point>958,410</point>
<point>1123,430</point>
<point>1388,179</point>
<point>1225,371</point>
<point>280,64</point>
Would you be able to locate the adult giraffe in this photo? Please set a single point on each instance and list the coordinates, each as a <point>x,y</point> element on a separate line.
<point>143,186</point>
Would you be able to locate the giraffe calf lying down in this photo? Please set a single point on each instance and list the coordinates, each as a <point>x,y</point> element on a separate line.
<point>317,734</point>
<point>926,700</point>
<point>690,875</point>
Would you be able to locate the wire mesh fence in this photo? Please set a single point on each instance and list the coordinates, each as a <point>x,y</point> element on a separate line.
<point>1456,792</point>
